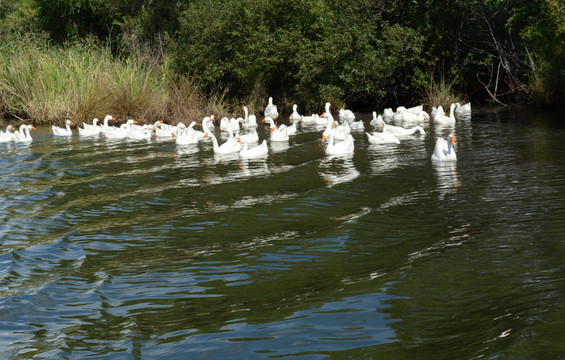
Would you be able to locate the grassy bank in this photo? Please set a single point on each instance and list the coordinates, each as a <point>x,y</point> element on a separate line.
<point>44,84</point>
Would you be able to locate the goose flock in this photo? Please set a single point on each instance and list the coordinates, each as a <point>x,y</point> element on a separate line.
<point>243,139</point>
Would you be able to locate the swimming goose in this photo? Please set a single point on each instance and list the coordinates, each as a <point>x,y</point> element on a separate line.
<point>400,131</point>
<point>382,138</point>
<point>444,150</point>
<point>230,146</point>
<point>271,110</point>
<point>90,129</point>
<point>249,120</point>
<point>249,138</point>
<point>463,109</point>
<point>345,147</point>
<point>442,119</point>
<point>377,120</point>
<point>8,135</point>
<point>23,135</point>
<point>295,116</point>
<point>58,131</point>
<point>255,152</point>
<point>346,115</point>
<point>278,133</point>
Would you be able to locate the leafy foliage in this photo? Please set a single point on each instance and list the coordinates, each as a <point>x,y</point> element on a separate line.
<point>352,52</point>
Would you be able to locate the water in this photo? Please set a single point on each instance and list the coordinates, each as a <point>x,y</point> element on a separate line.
<point>140,250</point>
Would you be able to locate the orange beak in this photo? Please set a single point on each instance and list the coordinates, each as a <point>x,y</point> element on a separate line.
<point>173,135</point>
<point>323,137</point>
<point>453,140</point>
<point>263,120</point>
<point>33,127</point>
<point>272,130</point>
<point>135,122</point>
<point>206,135</point>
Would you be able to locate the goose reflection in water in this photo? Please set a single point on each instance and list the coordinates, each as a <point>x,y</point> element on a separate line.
<point>447,179</point>
<point>279,146</point>
<point>254,168</point>
<point>336,170</point>
<point>383,158</point>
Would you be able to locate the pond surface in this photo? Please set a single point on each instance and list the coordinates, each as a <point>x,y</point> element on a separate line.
<point>147,250</point>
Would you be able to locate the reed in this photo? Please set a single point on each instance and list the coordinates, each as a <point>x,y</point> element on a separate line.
<point>441,93</point>
<point>48,85</point>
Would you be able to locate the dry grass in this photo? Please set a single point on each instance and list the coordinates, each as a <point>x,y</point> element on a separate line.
<point>441,94</point>
<point>81,81</point>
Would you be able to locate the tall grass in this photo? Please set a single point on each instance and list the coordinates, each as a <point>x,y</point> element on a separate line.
<point>441,94</point>
<point>47,85</point>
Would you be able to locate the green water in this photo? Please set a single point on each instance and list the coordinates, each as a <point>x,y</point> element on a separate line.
<point>143,250</point>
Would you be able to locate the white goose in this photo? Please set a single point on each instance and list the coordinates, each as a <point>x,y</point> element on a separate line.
<point>114,133</point>
<point>346,115</point>
<point>442,119</point>
<point>23,135</point>
<point>230,146</point>
<point>444,150</point>
<point>186,136</point>
<point>90,129</point>
<point>345,147</point>
<point>250,138</point>
<point>382,138</point>
<point>388,113</point>
<point>292,129</point>
<point>105,125</point>
<point>258,151</point>
<point>271,110</point>
<point>400,131</point>
<point>279,133</point>
<point>435,110</point>
<point>311,119</point>
<point>463,109</point>
<point>58,131</point>
<point>8,135</point>
<point>295,116</point>
<point>249,121</point>
<point>377,120</point>
<point>357,125</point>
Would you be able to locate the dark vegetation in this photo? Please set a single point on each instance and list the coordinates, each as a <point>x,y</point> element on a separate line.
<point>181,60</point>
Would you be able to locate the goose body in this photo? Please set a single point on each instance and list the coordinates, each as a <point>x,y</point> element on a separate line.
<point>400,131</point>
<point>258,151</point>
<point>357,125</point>
<point>249,121</point>
<point>382,138</point>
<point>271,110</point>
<point>444,150</point>
<point>295,116</point>
<point>8,135</point>
<point>250,138</point>
<point>66,131</point>
<point>346,115</point>
<point>23,135</point>
<point>377,120</point>
<point>230,146</point>
<point>292,130</point>
<point>90,129</point>
<point>443,119</point>
<point>345,147</point>
<point>463,109</point>
<point>278,133</point>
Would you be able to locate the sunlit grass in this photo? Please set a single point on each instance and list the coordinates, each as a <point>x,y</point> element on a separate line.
<point>48,84</point>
